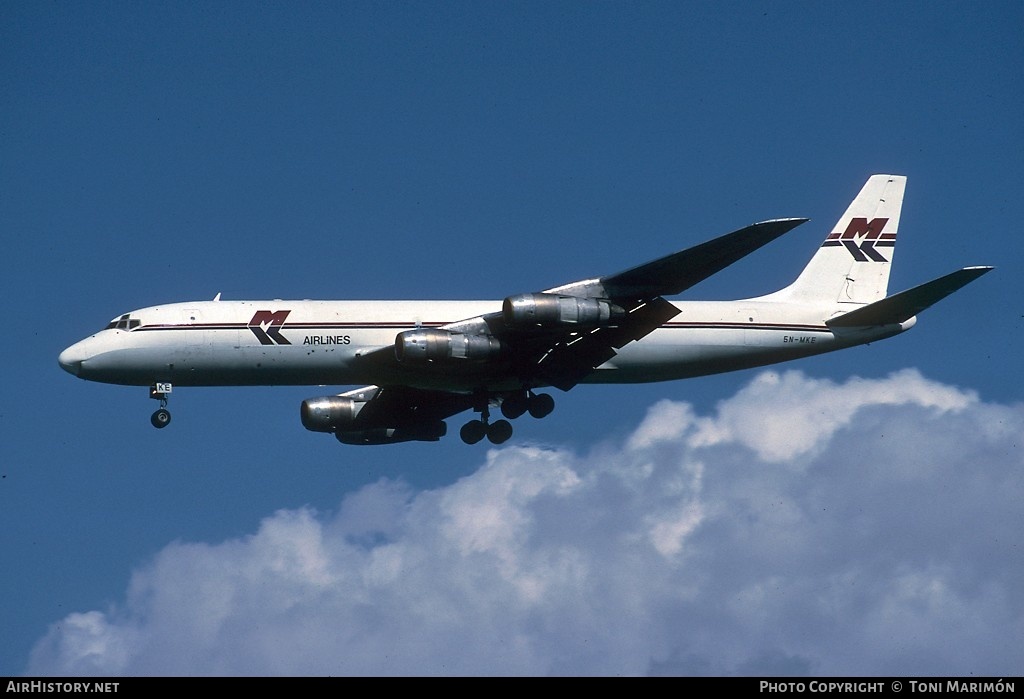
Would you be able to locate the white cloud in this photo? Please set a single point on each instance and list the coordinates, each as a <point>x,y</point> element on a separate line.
<point>867,528</point>
<point>784,416</point>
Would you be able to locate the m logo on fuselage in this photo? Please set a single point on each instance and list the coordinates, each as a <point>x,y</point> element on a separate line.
<point>266,326</point>
<point>861,237</point>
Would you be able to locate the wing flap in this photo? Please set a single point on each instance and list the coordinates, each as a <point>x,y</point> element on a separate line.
<point>567,363</point>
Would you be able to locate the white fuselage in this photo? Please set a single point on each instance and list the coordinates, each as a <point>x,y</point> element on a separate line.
<point>223,343</point>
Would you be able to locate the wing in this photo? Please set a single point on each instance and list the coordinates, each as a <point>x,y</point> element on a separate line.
<point>675,273</point>
<point>558,336</point>
<point>562,334</point>
<point>640,291</point>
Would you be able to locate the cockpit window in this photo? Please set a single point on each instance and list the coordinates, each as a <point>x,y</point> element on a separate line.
<point>123,323</point>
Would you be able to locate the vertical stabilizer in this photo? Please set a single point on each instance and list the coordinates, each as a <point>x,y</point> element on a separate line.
<point>851,267</point>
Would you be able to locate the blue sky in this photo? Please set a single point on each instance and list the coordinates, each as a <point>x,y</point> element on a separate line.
<point>156,153</point>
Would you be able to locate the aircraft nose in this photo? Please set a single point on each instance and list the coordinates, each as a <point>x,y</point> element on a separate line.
<point>71,359</point>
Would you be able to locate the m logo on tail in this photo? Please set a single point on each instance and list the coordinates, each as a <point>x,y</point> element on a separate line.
<point>273,322</point>
<point>861,237</point>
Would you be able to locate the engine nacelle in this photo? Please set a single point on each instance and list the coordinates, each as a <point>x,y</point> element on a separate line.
<point>434,345</point>
<point>555,310</point>
<point>338,414</point>
<point>330,413</point>
<point>427,432</point>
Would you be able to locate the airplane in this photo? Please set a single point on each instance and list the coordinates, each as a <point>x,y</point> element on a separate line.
<point>426,361</point>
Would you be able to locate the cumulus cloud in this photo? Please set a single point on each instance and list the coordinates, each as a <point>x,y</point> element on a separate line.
<point>869,527</point>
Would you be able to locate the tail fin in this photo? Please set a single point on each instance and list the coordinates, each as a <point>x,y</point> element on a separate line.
<point>851,268</point>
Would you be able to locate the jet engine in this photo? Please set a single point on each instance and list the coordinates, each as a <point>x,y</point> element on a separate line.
<point>434,345</point>
<point>338,414</point>
<point>555,310</point>
<point>330,413</point>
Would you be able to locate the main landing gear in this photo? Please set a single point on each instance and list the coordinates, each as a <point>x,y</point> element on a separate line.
<point>162,417</point>
<point>475,430</point>
<point>537,404</point>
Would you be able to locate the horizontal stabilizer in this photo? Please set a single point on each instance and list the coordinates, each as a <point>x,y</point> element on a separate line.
<point>907,304</point>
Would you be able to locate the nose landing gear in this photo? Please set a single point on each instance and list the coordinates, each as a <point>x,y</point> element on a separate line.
<point>162,417</point>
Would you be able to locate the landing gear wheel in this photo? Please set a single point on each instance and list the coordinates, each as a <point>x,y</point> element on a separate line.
<point>161,418</point>
<point>541,405</point>
<point>515,405</point>
<point>473,431</point>
<point>499,432</point>
<point>159,391</point>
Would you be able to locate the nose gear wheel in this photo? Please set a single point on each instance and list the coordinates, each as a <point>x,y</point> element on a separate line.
<point>162,417</point>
